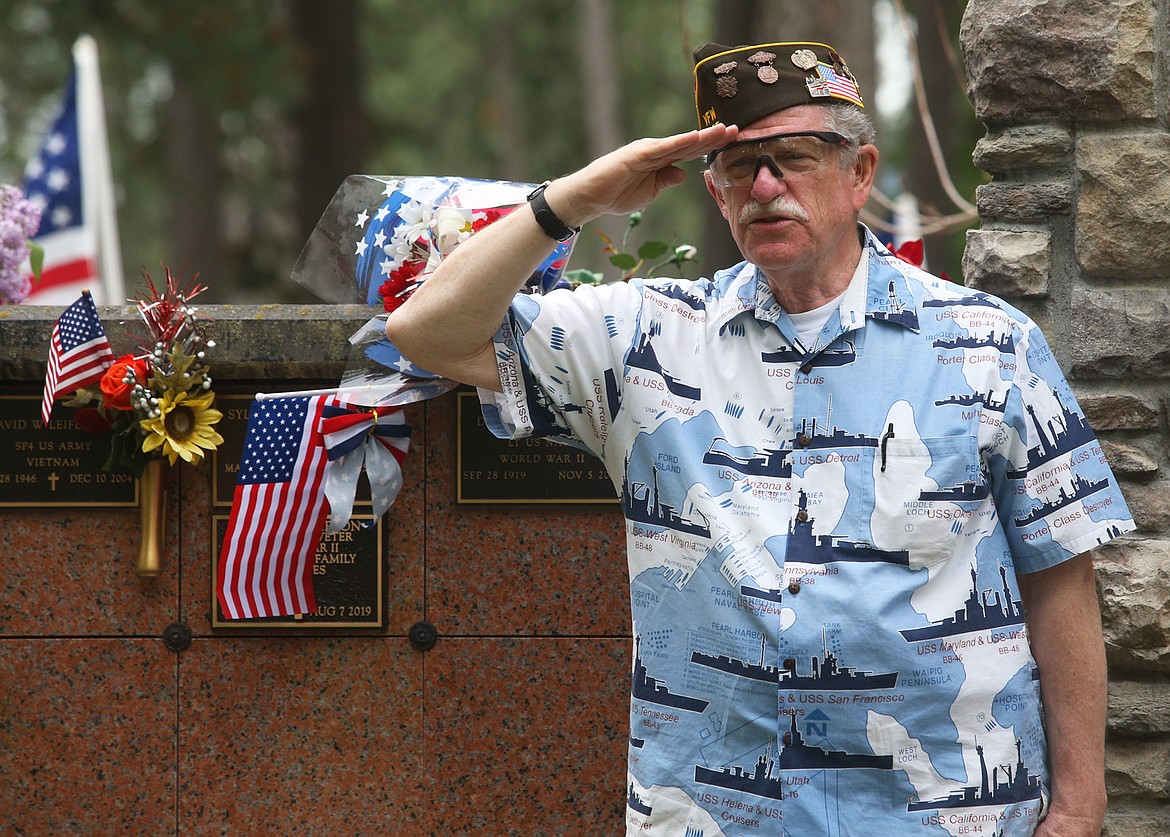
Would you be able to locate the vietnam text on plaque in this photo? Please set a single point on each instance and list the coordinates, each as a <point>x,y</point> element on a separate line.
<point>491,470</point>
<point>57,465</point>
<point>347,581</point>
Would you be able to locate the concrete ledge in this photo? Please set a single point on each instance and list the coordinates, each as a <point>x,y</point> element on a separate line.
<point>271,342</point>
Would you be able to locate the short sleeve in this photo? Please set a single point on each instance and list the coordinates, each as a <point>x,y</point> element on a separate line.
<point>1054,490</point>
<point>561,362</point>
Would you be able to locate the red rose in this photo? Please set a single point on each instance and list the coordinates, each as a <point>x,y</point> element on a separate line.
<point>487,217</point>
<point>395,290</point>
<point>115,390</point>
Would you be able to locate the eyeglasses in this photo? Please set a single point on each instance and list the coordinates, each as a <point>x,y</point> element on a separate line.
<point>785,155</point>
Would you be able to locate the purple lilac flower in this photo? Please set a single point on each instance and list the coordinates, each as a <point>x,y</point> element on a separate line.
<point>19,220</point>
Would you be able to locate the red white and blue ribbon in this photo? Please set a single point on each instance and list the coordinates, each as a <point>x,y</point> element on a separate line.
<point>374,437</point>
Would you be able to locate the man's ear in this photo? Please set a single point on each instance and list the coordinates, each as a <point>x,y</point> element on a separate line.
<point>714,190</point>
<point>863,174</point>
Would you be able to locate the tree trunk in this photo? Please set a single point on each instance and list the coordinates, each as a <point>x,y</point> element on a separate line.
<point>942,91</point>
<point>195,179</point>
<point>600,94</point>
<point>330,122</point>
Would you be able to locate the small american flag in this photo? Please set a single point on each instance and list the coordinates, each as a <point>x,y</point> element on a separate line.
<point>839,85</point>
<point>79,352</point>
<point>278,512</point>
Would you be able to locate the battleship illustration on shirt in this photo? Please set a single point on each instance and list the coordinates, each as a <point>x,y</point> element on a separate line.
<point>826,673</point>
<point>647,688</point>
<point>806,548</point>
<point>980,612</point>
<point>643,504</point>
<point>795,754</point>
<point>1063,433</point>
<point>644,357</point>
<point>1005,785</point>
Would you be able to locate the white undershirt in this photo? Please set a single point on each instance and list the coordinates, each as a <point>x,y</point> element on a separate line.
<point>809,323</point>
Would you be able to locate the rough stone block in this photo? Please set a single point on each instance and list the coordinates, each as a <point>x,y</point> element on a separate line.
<point>1024,148</point>
<point>1119,334</point>
<point>1024,202</point>
<point>1150,504</point>
<point>1120,821</point>
<point>1120,411</point>
<point>1138,768</point>
<point>1089,61</point>
<point>1127,459</point>
<point>1008,263</point>
<point>1138,709</point>
<point>1133,577</point>
<point>1122,227</point>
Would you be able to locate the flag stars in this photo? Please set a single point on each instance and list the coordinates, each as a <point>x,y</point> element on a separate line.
<point>361,248</point>
<point>362,218</point>
<point>58,180</point>
<point>56,143</point>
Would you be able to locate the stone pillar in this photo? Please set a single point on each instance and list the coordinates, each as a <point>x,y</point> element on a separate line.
<point>1076,231</point>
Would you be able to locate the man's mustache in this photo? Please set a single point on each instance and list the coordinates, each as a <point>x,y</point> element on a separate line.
<point>781,206</point>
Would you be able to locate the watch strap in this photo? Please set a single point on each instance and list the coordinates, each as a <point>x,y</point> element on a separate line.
<point>552,225</point>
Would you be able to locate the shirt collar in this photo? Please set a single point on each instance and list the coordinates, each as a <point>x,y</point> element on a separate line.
<point>878,290</point>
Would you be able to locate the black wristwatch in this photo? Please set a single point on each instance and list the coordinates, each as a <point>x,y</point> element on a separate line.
<point>553,226</point>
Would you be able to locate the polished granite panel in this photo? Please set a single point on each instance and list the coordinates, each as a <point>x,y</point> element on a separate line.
<point>300,735</point>
<point>518,569</point>
<point>526,735</point>
<point>71,572</point>
<point>87,737</point>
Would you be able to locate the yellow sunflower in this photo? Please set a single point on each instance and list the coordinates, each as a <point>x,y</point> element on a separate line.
<point>183,426</point>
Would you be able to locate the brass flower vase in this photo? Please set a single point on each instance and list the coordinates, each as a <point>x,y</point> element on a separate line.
<point>152,520</point>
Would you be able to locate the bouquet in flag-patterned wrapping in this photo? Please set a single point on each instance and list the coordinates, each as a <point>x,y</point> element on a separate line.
<point>376,243</point>
<point>380,237</point>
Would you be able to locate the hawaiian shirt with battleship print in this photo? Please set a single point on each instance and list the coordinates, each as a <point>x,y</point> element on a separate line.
<point>824,541</point>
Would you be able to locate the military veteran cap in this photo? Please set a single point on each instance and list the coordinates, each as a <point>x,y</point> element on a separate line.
<point>738,85</point>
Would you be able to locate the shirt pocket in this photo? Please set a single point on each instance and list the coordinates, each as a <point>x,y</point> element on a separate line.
<point>924,491</point>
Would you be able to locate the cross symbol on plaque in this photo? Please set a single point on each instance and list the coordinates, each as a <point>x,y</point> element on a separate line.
<point>53,479</point>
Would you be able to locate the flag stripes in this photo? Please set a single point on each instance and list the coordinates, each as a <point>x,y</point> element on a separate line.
<point>278,512</point>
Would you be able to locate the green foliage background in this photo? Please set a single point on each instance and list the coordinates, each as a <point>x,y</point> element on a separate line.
<point>440,94</point>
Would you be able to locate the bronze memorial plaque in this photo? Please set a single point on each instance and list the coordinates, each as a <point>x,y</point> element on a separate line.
<point>347,581</point>
<point>347,568</point>
<point>55,466</point>
<point>491,470</point>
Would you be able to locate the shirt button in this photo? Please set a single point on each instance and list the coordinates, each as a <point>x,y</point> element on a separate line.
<point>790,663</point>
<point>804,370</point>
<point>786,738</point>
<point>801,516</point>
<point>803,440</point>
<point>794,586</point>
